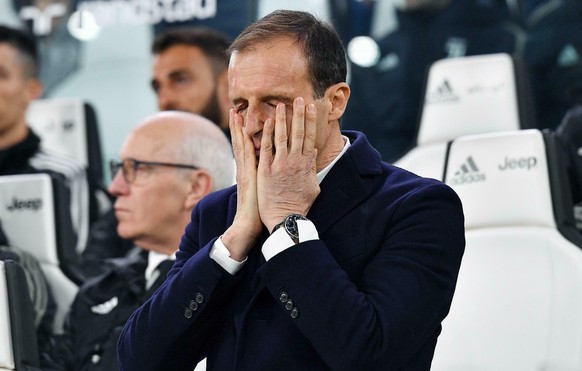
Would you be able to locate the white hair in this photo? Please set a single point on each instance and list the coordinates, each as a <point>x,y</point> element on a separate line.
<point>205,146</point>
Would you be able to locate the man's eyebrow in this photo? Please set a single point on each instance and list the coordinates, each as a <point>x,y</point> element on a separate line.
<point>276,97</point>
<point>177,73</point>
<point>268,98</point>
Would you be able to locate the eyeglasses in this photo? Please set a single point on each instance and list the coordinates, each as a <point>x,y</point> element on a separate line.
<point>129,167</point>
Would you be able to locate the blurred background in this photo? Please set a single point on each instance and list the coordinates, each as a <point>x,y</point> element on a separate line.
<point>99,51</point>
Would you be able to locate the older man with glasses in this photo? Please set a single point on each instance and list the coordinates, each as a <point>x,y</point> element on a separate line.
<point>168,163</point>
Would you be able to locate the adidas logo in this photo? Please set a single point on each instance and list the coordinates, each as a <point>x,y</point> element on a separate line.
<point>443,93</point>
<point>468,173</point>
<point>569,56</point>
<point>105,308</point>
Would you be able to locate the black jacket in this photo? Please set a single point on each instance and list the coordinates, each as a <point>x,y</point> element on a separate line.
<point>98,314</point>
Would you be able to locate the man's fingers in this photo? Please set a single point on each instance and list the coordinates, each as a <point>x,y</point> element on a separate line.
<point>266,156</point>
<point>235,126</point>
<point>298,126</point>
<point>281,138</point>
<point>310,130</point>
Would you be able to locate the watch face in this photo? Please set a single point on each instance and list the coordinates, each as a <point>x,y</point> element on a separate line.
<point>291,224</point>
<point>291,227</point>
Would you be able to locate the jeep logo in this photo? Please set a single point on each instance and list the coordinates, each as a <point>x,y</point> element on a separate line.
<point>33,204</point>
<point>525,163</point>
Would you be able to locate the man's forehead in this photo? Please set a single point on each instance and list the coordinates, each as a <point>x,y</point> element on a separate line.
<point>182,56</point>
<point>268,63</point>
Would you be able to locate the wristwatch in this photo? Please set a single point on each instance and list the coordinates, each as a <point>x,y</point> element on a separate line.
<point>290,224</point>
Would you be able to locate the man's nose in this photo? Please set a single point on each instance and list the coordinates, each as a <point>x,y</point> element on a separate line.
<point>166,100</point>
<point>119,185</point>
<point>254,121</point>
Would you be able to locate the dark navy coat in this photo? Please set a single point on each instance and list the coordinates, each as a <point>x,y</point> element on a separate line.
<point>369,295</point>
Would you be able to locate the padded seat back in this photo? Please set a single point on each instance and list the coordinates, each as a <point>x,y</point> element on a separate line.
<point>68,126</point>
<point>19,348</point>
<point>518,299</point>
<point>464,96</point>
<point>34,220</point>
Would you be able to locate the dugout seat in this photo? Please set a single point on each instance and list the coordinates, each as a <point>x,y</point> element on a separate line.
<point>464,96</point>
<point>518,299</point>
<point>19,348</point>
<point>35,218</point>
<point>69,126</point>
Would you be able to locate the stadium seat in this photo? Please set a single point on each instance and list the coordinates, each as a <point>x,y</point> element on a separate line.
<point>518,299</point>
<point>464,96</point>
<point>35,219</point>
<point>18,349</point>
<point>68,126</point>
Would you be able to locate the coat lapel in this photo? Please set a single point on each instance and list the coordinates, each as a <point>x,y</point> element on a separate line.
<point>348,183</point>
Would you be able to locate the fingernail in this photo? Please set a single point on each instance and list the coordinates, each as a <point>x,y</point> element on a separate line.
<point>311,108</point>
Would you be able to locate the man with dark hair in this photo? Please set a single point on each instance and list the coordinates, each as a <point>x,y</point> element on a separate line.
<point>20,149</point>
<point>323,256</point>
<point>190,73</point>
<point>21,153</point>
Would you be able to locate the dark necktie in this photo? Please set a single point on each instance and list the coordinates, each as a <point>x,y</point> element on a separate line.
<point>160,274</point>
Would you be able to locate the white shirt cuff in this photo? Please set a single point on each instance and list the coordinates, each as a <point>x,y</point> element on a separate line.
<point>220,254</point>
<point>280,241</point>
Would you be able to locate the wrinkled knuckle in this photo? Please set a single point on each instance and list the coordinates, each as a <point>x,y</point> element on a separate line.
<point>281,138</point>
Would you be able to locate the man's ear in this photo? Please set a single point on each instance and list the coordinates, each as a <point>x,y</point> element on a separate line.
<point>200,185</point>
<point>338,94</point>
<point>34,89</point>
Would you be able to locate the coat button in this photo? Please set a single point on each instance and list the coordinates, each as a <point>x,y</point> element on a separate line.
<point>289,305</point>
<point>199,298</point>
<point>187,313</point>
<point>283,297</point>
<point>193,305</point>
<point>294,313</point>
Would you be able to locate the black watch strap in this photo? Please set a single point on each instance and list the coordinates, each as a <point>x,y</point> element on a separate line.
<point>278,226</point>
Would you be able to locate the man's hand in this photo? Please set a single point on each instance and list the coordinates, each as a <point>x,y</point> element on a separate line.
<point>246,227</point>
<point>286,175</point>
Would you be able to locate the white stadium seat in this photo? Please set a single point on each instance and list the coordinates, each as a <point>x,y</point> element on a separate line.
<point>464,96</point>
<point>68,126</point>
<point>18,344</point>
<point>33,220</point>
<point>518,301</point>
